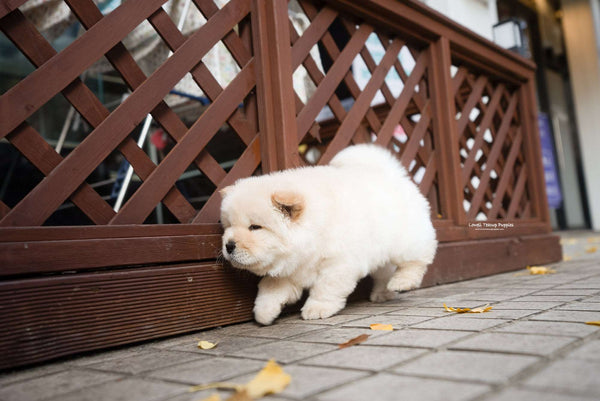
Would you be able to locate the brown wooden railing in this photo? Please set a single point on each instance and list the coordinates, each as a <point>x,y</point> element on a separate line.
<point>464,124</point>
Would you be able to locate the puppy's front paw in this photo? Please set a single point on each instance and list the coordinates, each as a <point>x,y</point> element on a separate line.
<point>319,309</point>
<point>383,295</point>
<point>264,313</point>
<point>402,283</point>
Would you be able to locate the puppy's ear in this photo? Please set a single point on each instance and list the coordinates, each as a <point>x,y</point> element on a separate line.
<point>291,204</point>
<point>223,192</point>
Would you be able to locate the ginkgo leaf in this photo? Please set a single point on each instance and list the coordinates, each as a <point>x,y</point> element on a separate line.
<point>240,396</point>
<point>355,341</point>
<point>540,270</point>
<point>271,379</point>
<point>591,249</point>
<point>379,326</point>
<point>213,397</point>
<point>206,345</point>
<point>593,323</point>
<point>481,309</point>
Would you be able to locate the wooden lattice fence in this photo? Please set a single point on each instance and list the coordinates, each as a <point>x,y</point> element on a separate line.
<point>463,123</point>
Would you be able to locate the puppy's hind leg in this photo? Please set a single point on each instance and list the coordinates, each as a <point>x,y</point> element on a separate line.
<point>381,277</point>
<point>408,276</point>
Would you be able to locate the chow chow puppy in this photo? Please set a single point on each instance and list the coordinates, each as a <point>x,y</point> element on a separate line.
<point>324,228</point>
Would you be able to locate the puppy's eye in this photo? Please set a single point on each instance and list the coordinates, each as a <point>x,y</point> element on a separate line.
<point>254,227</point>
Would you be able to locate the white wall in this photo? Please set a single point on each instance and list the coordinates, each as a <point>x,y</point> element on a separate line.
<point>477,15</point>
<point>583,55</point>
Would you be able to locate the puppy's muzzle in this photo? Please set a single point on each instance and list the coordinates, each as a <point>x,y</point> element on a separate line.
<point>230,247</point>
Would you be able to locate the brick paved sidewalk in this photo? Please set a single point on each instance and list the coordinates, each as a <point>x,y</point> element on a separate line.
<point>533,345</point>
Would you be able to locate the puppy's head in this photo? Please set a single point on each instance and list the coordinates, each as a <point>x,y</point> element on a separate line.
<point>259,223</point>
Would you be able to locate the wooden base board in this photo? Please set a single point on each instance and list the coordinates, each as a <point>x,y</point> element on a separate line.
<point>456,261</point>
<point>48,317</point>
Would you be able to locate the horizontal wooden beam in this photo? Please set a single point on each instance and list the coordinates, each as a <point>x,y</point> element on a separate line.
<point>17,258</point>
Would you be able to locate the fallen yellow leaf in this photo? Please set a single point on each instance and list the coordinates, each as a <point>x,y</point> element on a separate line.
<point>540,270</point>
<point>379,326</point>
<point>566,258</point>
<point>592,240</point>
<point>355,341</point>
<point>240,396</point>
<point>591,249</point>
<point>214,397</point>
<point>593,323</point>
<point>271,379</point>
<point>481,309</point>
<point>206,345</point>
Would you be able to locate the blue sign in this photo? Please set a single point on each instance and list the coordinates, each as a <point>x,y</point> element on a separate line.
<point>553,191</point>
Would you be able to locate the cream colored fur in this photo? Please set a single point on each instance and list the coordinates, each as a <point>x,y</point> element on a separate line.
<point>324,228</point>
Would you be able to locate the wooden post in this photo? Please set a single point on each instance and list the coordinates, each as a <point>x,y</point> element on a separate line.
<point>274,85</point>
<point>445,132</point>
<point>536,184</point>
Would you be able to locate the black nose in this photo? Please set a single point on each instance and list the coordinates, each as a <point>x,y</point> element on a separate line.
<point>230,247</point>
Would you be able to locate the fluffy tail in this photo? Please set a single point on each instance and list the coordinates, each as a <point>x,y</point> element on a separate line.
<point>368,156</point>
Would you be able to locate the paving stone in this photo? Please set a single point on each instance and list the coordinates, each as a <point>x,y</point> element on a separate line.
<point>581,306</point>
<point>458,322</point>
<point>278,331</point>
<point>369,310</point>
<point>388,387</point>
<point>225,344</point>
<point>567,316</point>
<point>31,373</point>
<point>593,299</point>
<point>330,321</point>
<point>538,306</point>
<point>338,335</point>
<point>514,343</point>
<point>589,351</point>
<point>547,298</point>
<point>580,285</point>
<point>54,385</point>
<point>129,352</point>
<point>572,376</point>
<point>201,395</point>
<point>515,394</point>
<point>419,338</point>
<point>145,361</point>
<point>207,370</point>
<point>507,314</point>
<point>569,291</point>
<point>468,366</point>
<point>457,303</point>
<point>364,357</point>
<point>284,351</point>
<point>420,311</point>
<point>549,328</point>
<point>396,321</point>
<point>129,389</point>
